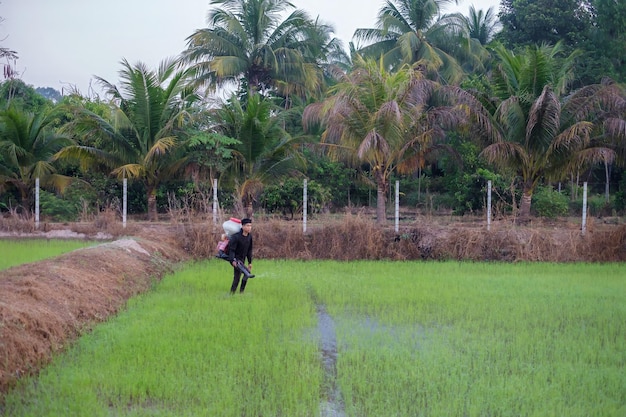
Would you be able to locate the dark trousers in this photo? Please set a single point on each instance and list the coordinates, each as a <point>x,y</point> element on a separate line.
<point>236,277</point>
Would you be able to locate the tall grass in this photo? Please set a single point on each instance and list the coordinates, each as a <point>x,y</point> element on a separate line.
<point>413,339</point>
<point>16,252</point>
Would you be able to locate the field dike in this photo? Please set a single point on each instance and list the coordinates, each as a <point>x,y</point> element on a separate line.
<point>46,305</point>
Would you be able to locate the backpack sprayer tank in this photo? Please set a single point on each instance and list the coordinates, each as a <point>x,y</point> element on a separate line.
<point>232,226</point>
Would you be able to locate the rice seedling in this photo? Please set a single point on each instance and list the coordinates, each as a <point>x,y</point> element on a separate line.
<point>189,348</point>
<point>16,252</point>
<point>409,339</point>
<point>478,339</point>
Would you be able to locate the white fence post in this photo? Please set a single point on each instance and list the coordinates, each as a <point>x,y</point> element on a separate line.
<point>397,206</point>
<point>304,204</point>
<point>124,201</point>
<point>489,205</point>
<point>214,200</point>
<point>37,203</point>
<point>584,223</point>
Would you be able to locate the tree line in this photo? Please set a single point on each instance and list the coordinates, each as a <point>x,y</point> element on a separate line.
<point>530,98</point>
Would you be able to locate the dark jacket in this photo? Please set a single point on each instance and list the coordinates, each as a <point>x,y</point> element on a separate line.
<point>240,247</point>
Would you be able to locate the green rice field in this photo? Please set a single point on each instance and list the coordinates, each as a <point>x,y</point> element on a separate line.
<point>367,338</point>
<point>20,251</point>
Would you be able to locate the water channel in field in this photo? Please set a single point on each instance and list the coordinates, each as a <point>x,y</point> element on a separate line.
<point>332,405</point>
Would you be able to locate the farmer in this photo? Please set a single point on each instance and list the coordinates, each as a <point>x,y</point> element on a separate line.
<point>240,248</point>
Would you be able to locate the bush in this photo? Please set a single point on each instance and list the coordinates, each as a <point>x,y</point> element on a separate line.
<point>286,197</point>
<point>620,196</point>
<point>78,202</point>
<point>620,201</point>
<point>55,208</point>
<point>550,203</point>
<point>346,185</point>
<point>413,192</point>
<point>596,205</point>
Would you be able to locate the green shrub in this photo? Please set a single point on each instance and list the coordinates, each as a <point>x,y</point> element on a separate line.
<point>550,203</point>
<point>78,200</point>
<point>620,201</point>
<point>620,196</point>
<point>596,205</point>
<point>413,192</point>
<point>286,197</point>
<point>55,208</point>
<point>345,185</point>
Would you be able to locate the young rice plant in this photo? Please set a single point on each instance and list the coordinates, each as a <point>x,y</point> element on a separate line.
<point>410,339</point>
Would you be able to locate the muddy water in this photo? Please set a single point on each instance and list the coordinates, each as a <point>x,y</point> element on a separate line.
<point>332,404</point>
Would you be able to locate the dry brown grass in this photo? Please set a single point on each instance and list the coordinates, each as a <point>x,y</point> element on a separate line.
<point>105,224</point>
<point>358,237</point>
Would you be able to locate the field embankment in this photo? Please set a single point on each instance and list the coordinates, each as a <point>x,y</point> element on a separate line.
<point>46,305</point>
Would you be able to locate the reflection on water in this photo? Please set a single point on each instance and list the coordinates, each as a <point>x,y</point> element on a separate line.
<point>332,405</point>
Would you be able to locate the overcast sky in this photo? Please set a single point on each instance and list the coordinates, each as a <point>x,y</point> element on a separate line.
<point>64,43</point>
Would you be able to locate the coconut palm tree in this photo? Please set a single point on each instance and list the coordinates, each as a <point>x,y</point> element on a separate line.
<point>144,129</point>
<point>27,145</point>
<point>481,25</point>
<point>410,31</point>
<point>388,120</point>
<point>251,42</point>
<point>535,136</point>
<point>604,104</point>
<point>264,151</point>
<point>326,54</point>
<point>614,120</point>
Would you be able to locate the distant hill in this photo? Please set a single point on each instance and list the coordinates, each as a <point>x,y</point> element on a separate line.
<point>49,93</point>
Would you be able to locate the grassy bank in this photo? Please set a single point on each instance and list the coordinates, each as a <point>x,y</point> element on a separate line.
<point>410,339</point>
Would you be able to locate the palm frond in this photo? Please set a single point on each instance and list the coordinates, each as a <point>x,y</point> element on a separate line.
<point>137,171</point>
<point>572,139</point>
<point>86,156</point>
<point>505,154</point>
<point>161,148</point>
<point>543,120</point>
<point>616,128</point>
<point>373,143</point>
<point>41,169</point>
<point>58,182</point>
<point>512,119</point>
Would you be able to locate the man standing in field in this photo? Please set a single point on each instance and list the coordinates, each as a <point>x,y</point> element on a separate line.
<point>240,249</point>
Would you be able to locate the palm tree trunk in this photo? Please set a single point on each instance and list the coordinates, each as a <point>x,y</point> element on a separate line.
<point>381,216</point>
<point>249,209</point>
<point>152,205</point>
<point>419,184</point>
<point>27,200</point>
<point>607,174</point>
<point>524,211</point>
<point>513,201</point>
